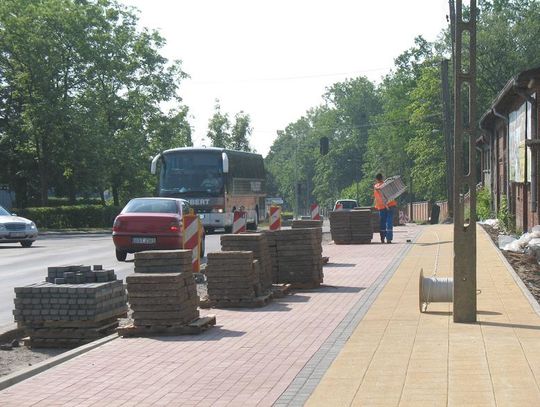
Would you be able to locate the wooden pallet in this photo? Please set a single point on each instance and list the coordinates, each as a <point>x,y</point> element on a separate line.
<point>255,302</point>
<point>280,290</point>
<point>193,328</point>
<point>351,242</point>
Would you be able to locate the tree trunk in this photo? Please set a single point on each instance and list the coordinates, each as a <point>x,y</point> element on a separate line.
<point>116,200</point>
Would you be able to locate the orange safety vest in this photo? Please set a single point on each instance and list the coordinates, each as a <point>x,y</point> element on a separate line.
<point>379,201</point>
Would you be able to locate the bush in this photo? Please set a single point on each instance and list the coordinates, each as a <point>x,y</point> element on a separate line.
<point>483,204</point>
<point>58,201</point>
<point>505,218</point>
<point>71,217</point>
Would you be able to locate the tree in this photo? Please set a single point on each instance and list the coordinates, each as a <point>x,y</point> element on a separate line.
<point>80,95</point>
<point>219,127</point>
<point>240,132</point>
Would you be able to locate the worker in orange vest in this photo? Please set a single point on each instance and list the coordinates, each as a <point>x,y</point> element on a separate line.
<point>386,211</point>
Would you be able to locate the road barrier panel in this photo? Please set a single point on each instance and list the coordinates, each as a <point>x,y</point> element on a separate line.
<point>191,238</point>
<point>315,212</point>
<point>239,222</point>
<point>275,218</point>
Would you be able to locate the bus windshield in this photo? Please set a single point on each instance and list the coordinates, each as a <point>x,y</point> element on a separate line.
<point>184,172</point>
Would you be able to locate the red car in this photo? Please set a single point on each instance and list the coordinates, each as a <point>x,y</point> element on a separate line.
<point>150,224</point>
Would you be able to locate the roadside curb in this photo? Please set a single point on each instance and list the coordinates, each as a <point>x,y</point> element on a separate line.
<point>74,232</point>
<point>24,374</point>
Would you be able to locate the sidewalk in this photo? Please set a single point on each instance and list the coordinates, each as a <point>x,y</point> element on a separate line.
<point>360,341</point>
<point>397,356</point>
<point>250,358</point>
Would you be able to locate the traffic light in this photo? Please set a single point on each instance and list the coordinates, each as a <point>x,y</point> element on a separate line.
<point>324,145</point>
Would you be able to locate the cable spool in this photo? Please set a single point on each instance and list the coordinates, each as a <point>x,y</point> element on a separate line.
<point>434,289</point>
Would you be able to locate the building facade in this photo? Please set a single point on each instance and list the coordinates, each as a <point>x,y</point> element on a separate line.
<point>509,152</point>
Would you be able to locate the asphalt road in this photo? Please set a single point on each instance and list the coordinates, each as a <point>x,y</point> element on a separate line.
<point>22,266</point>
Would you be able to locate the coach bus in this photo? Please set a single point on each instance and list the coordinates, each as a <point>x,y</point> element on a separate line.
<point>215,181</point>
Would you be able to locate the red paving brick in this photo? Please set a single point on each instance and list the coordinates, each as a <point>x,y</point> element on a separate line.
<point>248,359</point>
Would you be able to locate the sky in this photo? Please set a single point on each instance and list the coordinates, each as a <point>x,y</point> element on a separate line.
<point>274,59</point>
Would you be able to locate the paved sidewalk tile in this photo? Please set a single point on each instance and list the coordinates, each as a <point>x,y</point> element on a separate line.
<point>400,357</point>
<point>250,358</point>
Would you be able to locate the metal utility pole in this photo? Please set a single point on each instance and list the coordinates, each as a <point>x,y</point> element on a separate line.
<point>447,130</point>
<point>465,178</point>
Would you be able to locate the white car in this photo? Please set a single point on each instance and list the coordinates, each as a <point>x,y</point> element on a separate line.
<point>14,229</point>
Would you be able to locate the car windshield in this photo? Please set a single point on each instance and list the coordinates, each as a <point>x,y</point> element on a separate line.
<point>3,212</point>
<point>151,205</point>
<point>192,172</point>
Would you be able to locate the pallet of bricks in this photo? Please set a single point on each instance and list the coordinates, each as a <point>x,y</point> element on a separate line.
<point>74,306</point>
<point>306,223</point>
<point>162,294</point>
<point>256,243</point>
<point>232,278</point>
<point>351,227</point>
<point>296,256</point>
<point>303,224</point>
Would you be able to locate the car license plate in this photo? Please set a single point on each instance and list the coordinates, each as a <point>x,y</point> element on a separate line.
<point>17,234</point>
<point>144,240</point>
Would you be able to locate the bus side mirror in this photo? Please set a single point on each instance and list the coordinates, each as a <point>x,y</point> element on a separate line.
<point>153,166</point>
<point>225,159</point>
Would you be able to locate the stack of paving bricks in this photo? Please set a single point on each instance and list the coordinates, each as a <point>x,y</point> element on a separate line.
<point>272,251</point>
<point>163,295</point>
<point>296,256</point>
<point>256,243</point>
<point>340,227</point>
<point>306,223</point>
<point>375,220</point>
<point>163,261</point>
<point>351,227</point>
<point>162,300</point>
<point>361,226</point>
<point>232,280</point>
<point>74,306</point>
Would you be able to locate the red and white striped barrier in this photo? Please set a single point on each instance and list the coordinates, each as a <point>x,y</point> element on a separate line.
<point>315,213</point>
<point>275,218</point>
<point>339,207</point>
<point>191,237</point>
<point>239,222</point>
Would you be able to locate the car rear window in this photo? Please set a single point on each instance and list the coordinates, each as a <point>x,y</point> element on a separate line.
<point>348,204</point>
<point>151,205</point>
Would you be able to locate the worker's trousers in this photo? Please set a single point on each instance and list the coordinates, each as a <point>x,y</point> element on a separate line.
<point>387,223</point>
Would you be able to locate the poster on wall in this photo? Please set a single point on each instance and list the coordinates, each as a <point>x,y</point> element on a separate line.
<point>521,129</point>
<point>516,143</point>
<point>529,155</point>
<point>513,147</point>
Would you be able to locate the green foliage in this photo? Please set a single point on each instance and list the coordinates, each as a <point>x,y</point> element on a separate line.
<point>71,217</point>
<point>483,204</point>
<point>56,201</point>
<point>219,128</point>
<point>80,94</point>
<point>240,132</point>
<point>396,127</point>
<point>505,218</point>
<point>222,134</point>
<point>345,120</point>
